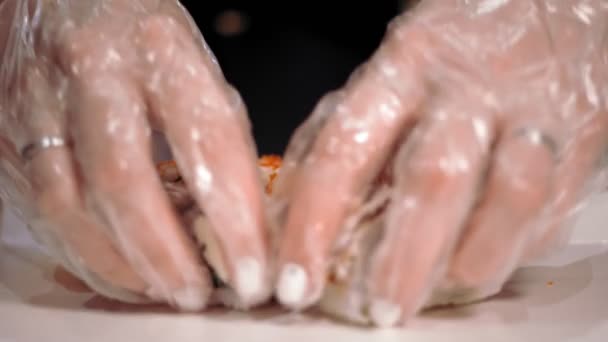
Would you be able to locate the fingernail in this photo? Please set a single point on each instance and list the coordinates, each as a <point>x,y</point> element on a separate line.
<point>384,314</point>
<point>190,299</point>
<point>292,285</point>
<point>249,279</point>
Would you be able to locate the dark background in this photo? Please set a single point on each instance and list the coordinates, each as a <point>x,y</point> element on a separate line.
<point>290,53</point>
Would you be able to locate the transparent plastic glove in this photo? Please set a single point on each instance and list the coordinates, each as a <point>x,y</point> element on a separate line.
<point>475,131</point>
<point>103,74</point>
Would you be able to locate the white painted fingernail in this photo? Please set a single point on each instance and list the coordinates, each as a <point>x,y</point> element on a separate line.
<point>249,279</point>
<point>190,299</point>
<point>293,282</point>
<point>384,314</point>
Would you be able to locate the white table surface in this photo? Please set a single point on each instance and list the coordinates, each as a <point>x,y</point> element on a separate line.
<point>573,308</point>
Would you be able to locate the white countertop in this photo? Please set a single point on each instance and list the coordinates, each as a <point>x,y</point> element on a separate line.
<point>563,298</point>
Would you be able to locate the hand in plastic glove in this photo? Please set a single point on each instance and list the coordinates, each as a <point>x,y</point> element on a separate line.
<point>91,79</point>
<point>487,117</point>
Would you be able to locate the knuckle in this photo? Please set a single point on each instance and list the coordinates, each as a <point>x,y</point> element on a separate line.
<point>526,195</point>
<point>79,54</point>
<point>403,35</point>
<point>438,173</point>
<point>524,191</point>
<point>108,178</point>
<point>55,198</point>
<point>160,33</point>
<point>73,45</point>
<point>159,23</point>
<point>438,168</point>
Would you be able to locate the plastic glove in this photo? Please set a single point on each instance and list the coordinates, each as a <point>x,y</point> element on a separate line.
<point>485,120</point>
<point>103,74</point>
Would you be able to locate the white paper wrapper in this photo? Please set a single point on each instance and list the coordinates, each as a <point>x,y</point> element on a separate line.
<point>562,298</point>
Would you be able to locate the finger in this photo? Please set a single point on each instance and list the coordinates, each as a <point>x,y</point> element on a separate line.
<point>579,162</point>
<point>56,191</point>
<point>206,126</point>
<point>331,178</point>
<point>437,174</point>
<point>59,208</point>
<point>520,183</point>
<point>111,142</point>
<point>88,248</point>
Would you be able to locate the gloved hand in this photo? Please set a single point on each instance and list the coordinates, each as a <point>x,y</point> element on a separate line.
<point>82,86</point>
<point>485,119</point>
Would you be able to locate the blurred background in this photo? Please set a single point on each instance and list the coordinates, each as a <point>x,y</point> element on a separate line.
<point>284,56</point>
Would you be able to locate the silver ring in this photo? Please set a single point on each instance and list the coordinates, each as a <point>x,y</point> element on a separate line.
<point>29,151</point>
<point>539,138</point>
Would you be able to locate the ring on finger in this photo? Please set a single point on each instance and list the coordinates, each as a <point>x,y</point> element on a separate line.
<point>31,149</point>
<point>537,137</point>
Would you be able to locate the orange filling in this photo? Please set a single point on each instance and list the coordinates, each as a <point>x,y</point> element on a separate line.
<point>271,162</point>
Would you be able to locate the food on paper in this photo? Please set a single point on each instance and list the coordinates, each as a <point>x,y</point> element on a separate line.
<point>344,295</point>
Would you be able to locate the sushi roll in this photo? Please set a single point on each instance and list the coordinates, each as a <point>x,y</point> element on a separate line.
<point>199,228</point>
<point>344,296</point>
